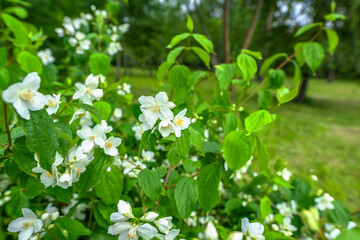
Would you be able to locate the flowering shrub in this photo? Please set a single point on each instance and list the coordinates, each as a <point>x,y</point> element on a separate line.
<point>88,161</point>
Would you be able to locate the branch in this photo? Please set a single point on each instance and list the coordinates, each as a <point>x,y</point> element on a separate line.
<point>191,176</point>
<point>130,162</point>
<point>52,234</point>
<point>7,128</point>
<point>164,186</point>
<point>63,109</point>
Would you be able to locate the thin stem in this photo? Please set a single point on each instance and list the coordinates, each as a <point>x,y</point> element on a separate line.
<point>63,109</point>
<point>52,234</point>
<point>191,176</point>
<point>7,127</point>
<point>130,162</point>
<point>164,186</point>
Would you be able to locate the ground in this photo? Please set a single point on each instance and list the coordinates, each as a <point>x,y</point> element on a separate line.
<point>319,137</point>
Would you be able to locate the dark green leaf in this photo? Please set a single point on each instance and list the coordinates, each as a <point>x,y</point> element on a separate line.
<point>204,56</point>
<point>186,194</point>
<point>73,226</point>
<point>150,183</point>
<point>111,186</point>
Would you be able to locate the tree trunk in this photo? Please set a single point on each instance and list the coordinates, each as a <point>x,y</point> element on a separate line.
<point>118,66</point>
<point>252,26</point>
<point>302,93</point>
<point>331,76</point>
<point>226,30</point>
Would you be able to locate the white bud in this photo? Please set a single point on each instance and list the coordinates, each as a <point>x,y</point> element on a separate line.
<point>7,199</point>
<point>149,217</point>
<point>45,216</point>
<point>7,193</point>
<point>53,225</point>
<point>55,215</point>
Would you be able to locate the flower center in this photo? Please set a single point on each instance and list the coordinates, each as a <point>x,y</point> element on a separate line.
<point>155,109</point>
<point>109,144</point>
<point>26,225</point>
<point>92,138</point>
<point>180,122</point>
<point>28,95</point>
<point>132,234</point>
<point>51,103</point>
<point>81,115</point>
<point>49,175</point>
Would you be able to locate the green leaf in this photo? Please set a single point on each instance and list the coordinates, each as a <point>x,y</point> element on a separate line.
<point>225,73</point>
<point>204,42</point>
<point>178,38</point>
<point>210,147</point>
<point>238,149</point>
<point>333,39</point>
<point>144,141</point>
<point>334,16</point>
<point>262,154</point>
<point>73,226</point>
<point>104,109</point>
<point>18,201</point>
<point>189,23</point>
<point>204,56</point>
<point>99,63</point>
<point>173,54</point>
<point>314,54</point>
<point>178,76</point>
<point>196,138</point>
<point>49,76</point>
<point>283,95</point>
<point>61,194</point>
<point>208,185</point>
<point>276,236</point>
<point>265,207</point>
<point>183,144</point>
<point>18,11</point>
<point>173,156</point>
<point>29,62</point>
<point>150,183</point>
<point>340,215</point>
<point>306,28</point>
<point>276,78</point>
<point>231,122</point>
<point>349,234</point>
<point>17,28</point>
<point>162,70</point>
<point>299,49</point>
<point>247,66</point>
<point>111,186</point>
<point>34,187</point>
<point>254,54</point>
<point>297,75</point>
<point>94,111</point>
<point>94,172</point>
<point>268,62</point>
<point>42,137</point>
<point>257,120</point>
<point>265,99</point>
<point>280,181</point>
<point>186,194</point>
<point>4,78</point>
<point>23,157</point>
<point>3,56</point>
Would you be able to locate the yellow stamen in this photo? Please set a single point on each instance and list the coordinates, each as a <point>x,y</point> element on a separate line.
<point>28,96</point>
<point>155,109</point>
<point>26,225</point>
<point>81,115</point>
<point>51,103</point>
<point>92,138</point>
<point>180,122</point>
<point>109,144</point>
<point>49,175</point>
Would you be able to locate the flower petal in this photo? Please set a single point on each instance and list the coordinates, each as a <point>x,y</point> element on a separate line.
<point>119,228</point>
<point>31,81</point>
<point>10,95</point>
<point>147,231</point>
<point>21,109</point>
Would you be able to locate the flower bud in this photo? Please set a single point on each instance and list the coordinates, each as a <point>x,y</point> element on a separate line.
<point>7,193</point>
<point>45,216</point>
<point>149,217</point>
<point>52,226</point>
<point>7,199</point>
<point>55,215</point>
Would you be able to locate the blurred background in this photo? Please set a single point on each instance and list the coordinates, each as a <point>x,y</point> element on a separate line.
<point>318,134</point>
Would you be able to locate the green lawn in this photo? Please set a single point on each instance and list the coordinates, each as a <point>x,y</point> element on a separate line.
<point>320,137</point>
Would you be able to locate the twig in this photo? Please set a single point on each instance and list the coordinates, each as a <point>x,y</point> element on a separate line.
<point>130,162</point>
<point>164,186</point>
<point>63,109</point>
<point>7,128</point>
<point>191,176</point>
<point>52,234</point>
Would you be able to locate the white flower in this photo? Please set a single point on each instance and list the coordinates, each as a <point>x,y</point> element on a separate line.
<point>118,112</point>
<point>69,29</point>
<point>47,178</point>
<point>138,130</point>
<point>91,137</point>
<point>124,27</point>
<point>24,96</point>
<point>148,156</point>
<point>155,108</point>
<point>286,210</point>
<point>79,36</point>
<point>351,225</point>
<point>85,118</point>
<point>46,56</point>
<point>170,236</point>
<point>333,234</point>
<point>211,232</point>
<point>111,144</point>
<point>235,236</point>
<point>124,89</point>
<point>252,230</point>
<point>114,37</point>
<point>286,174</point>
<point>59,32</point>
<point>180,122</point>
<point>164,224</point>
<point>114,48</point>
<point>124,212</point>
<point>324,202</point>
<point>101,12</point>
<point>149,217</point>
<point>52,103</point>
<point>26,225</point>
<point>79,50</point>
<point>72,42</point>
<point>166,128</point>
<point>287,228</point>
<point>126,230</point>
<point>101,78</point>
<point>85,44</point>
<point>88,92</point>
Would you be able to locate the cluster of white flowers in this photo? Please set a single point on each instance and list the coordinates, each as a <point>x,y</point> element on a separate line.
<point>46,56</point>
<point>157,108</point>
<point>124,89</point>
<point>5,197</point>
<point>252,231</point>
<point>129,169</point>
<point>324,202</point>
<point>24,97</point>
<point>89,92</point>
<point>127,226</point>
<point>285,174</point>
<point>30,226</point>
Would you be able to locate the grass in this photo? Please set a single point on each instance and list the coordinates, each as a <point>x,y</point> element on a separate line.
<point>320,137</point>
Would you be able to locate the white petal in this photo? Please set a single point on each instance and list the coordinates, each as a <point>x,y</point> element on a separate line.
<point>38,102</point>
<point>119,228</point>
<point>26,234</point>
<point>28,214</point>
<point>147,231</point>
<point>97,94</point>
<point>124,207</point>
<point>21,109</point>
<point>84,132</point>
<point>166,114</point>
<point>91,81</point>
<point>38,225</point>
<point>149,217</point>
<point>117,217</point>
<point>16,225</point>
<point>147,101</point>
<point>99,141</point>
<point>111,151</point>
<point>256,229</point>
<point>245,225</point>
<point>162,98</point>
<point>31,81</point>
<point>10,95</point>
